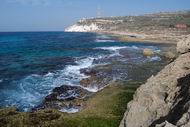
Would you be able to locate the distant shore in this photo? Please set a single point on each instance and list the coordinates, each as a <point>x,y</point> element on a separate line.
<point>137,37</point>
<point>154,28</point>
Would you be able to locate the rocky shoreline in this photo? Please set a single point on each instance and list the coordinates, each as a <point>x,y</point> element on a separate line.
<point>157,27</point>
<point>143,37</point>
<point>164,100</point>
<point>72,99</point>
<point>76,106</point>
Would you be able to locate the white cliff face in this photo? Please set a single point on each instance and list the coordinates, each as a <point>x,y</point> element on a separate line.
<point>82,28</point>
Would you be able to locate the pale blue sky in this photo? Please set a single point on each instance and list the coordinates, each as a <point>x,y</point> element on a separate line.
<point>55,15</point>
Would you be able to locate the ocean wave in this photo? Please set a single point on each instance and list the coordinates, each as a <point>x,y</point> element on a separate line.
<point>33,88</point>
<point>72,74</point>
<point>113,48</point>
<point>1,80</point>
<point>155,58</point>
<point>104,40</point>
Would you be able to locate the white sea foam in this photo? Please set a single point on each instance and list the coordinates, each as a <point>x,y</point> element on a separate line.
<point>67,94</point>
<point>113,48</point>
<point>155,58</point>
<point>74,70</point>
<point>157,51</point>
<point>93,89</point>
<point>70,110</point>
<point>1,80</point>
<point>34,88</point>
<point>49,74</point>
<point>104,40</point>
<point>135,47</point>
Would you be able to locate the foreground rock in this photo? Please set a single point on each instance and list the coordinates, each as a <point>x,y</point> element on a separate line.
<point>65,98</point>
<point>170,55</point>
<point>164,101</point>
<point>184,45</point>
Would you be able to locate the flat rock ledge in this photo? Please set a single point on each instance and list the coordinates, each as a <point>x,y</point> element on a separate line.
<point>164,101</point>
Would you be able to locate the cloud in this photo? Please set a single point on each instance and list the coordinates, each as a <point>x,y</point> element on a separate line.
<point>42,2</point>
<point>30,2</point>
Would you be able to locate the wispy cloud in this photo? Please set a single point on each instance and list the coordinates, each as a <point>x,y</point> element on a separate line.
<point>42,2</point>
<point>30,2</point>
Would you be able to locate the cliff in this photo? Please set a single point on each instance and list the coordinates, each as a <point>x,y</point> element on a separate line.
<point>164,101</point>
<point>164,26</point>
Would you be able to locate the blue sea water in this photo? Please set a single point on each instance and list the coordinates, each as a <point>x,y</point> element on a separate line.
<point>33,63</point>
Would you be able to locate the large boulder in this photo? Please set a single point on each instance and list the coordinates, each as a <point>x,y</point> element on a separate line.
<point>164,100</point>
<point>148,52</point>
<point>183,46</point>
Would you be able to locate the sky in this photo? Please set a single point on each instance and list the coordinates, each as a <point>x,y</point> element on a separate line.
<point>56,15</point>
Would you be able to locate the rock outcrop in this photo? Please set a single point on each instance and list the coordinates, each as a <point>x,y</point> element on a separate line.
<point>183,46</point>
<point>164,101</point>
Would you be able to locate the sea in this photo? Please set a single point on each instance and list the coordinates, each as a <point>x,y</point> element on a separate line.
<point>32,64</point>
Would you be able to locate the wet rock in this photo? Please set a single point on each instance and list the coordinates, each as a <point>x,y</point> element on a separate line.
<point>88,71</point>
<point>183,46</point>
<point>148,52</point>
<point>66,93</point>
<point>93,82</point>
<point>98,78</point>
<point>106,59</point>
<point>64,97</point>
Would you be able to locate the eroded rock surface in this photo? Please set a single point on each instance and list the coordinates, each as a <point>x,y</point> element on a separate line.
<point>183,46</point>
<point>164,101</point>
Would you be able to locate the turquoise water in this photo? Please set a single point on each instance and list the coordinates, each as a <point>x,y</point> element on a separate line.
<point>33,63</point>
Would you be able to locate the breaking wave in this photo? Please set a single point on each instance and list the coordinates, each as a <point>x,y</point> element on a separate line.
<point>33,88</point>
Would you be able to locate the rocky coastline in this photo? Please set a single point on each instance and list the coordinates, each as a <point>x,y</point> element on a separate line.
<point>164,100</point>
<point>76,106</point>
<point>157,27</point>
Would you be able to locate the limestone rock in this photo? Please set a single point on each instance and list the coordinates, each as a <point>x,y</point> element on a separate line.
<point>183,46</point>
<point>170,55</point>
<point>165,97</point>
<point>148,52</point>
